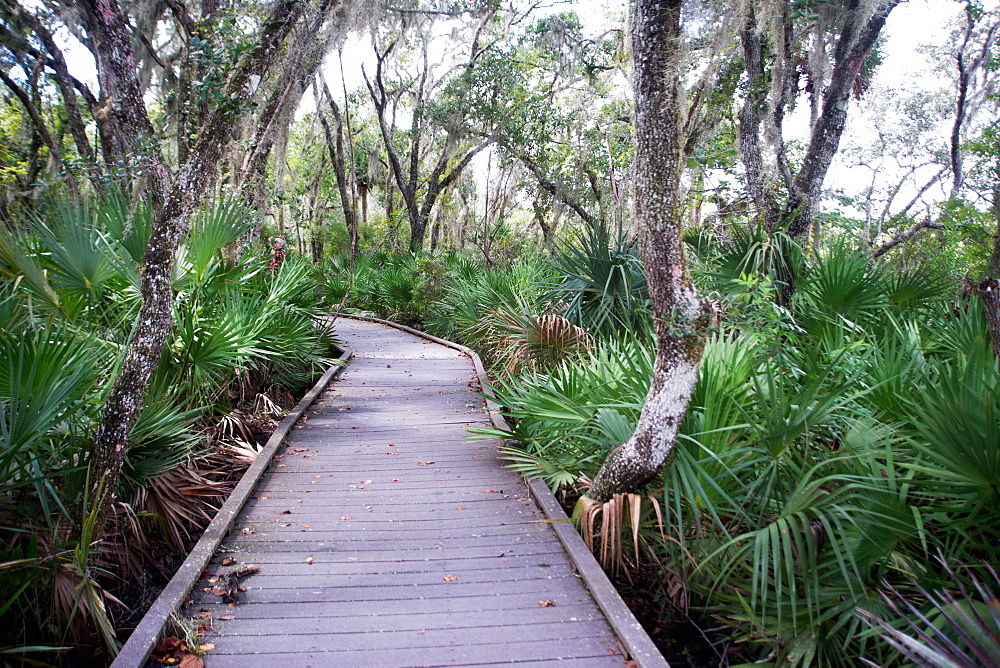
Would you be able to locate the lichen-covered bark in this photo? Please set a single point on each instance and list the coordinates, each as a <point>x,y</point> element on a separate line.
<point>658,213</point>
<point>857,39</point>
<point>173,201</point>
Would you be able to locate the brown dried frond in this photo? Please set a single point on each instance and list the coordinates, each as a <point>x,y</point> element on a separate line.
<point>541,341</point>
<point>608,541</point>
<point>82,601</point>
<point>264,405</point>
<point>242,452</point>
<point>183,500</point>
<point>549,339</point>
<point>235,425</point>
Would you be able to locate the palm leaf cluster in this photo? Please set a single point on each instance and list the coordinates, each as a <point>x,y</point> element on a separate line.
<point>398,287</point>
<point>69,293</point>
<point>832,445</point>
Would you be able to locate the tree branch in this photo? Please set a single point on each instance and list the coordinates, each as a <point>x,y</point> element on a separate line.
<point>906,235</point>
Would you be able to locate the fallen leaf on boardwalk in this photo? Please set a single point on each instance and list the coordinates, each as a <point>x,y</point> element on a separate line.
<point>522,498</point>
<point>547,603</point>
<point>309,559</point>
<point>282,465</point>
<point>424,463</point>
<point>492,491</point>
<point>395,479</point>
<point>460,508</point>
<point>207,647</point>
<point>286,512</point>
<point>191,661</point>
<point>227,561</point>
<point>204,613</point>
<point>437,547</point>
<point>300,449</point>
<point>227,617</point>
<point>247,530</point>
<point>218,591</point>
<point>345,517</point>
<point>305,526</point>
<point>241,588</point>
<point>366,482</point>
<point>422,631</point>
<point>317,476</point>
<point>613,652</point>
<point>450,578</point>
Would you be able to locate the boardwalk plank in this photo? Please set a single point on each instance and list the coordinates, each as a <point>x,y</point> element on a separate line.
<point>407,622</point>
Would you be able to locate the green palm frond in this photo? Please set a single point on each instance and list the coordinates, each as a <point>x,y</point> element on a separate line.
<point>958,628</point>
<point>601,282</point>
<point>841,288</point>
<point>918,288</point>
<point>46,378</point>
<point>22,263</point>
<point>213,230</point>
<point>126,221</point>
<point>955,432</point>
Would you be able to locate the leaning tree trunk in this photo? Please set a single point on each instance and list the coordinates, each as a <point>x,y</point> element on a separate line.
<point>658,212</point>
<point>173,201</point>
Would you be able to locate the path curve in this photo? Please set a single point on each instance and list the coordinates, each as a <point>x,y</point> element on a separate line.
<point>386,536</point>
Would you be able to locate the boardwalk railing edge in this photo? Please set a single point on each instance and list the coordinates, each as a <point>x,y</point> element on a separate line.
<point>136,650</point>
<point>633,637</point>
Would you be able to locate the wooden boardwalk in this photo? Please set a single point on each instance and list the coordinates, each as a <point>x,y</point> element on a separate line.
<point>386,536</point>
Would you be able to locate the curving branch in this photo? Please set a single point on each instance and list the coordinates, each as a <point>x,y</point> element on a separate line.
<point>906,235</point>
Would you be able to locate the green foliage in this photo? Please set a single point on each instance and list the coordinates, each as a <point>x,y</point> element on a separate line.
<point>602,284</point>
<point>69,292</point>
<point>829,446</point>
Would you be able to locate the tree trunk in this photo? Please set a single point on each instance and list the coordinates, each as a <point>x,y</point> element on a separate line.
<point>335,146</point>
<point>853,46</point>
<point>548,231</point>
<point>988,290</point>
<point>173,203</point>
<point>658,211</point>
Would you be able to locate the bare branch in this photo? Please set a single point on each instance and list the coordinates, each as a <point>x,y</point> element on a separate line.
<point>906,235</point>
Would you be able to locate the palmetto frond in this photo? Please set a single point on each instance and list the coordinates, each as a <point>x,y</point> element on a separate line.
<point>601,282</point>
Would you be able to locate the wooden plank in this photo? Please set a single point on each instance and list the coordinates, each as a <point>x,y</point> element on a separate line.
<point>140,644</point>
<point>406,622</point>
<point>294,562</point>
<point>387,592</point>
<point>330,577</point>
<point>572,649</point>
<point>306,609</point>
<point>416,639</point>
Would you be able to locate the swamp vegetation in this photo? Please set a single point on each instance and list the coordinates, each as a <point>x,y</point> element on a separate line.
<point>584,208</point>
